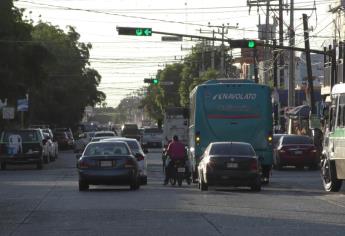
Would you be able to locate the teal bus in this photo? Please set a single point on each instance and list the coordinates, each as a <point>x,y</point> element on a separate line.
<point>231,110</point>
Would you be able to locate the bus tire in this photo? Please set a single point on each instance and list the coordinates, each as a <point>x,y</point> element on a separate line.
<point>329,176</point>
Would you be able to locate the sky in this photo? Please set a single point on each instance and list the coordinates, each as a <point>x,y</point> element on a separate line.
<point>124,61</point>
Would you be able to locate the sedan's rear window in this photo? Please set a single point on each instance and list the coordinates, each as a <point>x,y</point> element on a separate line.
<point>106,149</point>
<point>105,134</point>
<point>297,140</point>
<point>26,135</point>
<point>232,149</point>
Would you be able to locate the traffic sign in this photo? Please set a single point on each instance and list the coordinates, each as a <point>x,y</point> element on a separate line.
<point>172,38</point>
<point>8,113</point>
<point>136,31</point>
<point>166,83</point>
<point>22,105</point>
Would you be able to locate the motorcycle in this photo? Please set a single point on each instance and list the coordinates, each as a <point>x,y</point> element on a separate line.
<point>178,173</point>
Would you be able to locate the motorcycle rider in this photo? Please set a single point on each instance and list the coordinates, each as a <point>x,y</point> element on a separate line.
<point>176,151</point>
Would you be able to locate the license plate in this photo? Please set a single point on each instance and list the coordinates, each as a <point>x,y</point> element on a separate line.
<point>232,165</point>
<point>106,163</point>
<point>181,170</point>
<point>298,152</point>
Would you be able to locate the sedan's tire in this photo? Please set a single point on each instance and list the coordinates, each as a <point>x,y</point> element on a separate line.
<point>3,165</point>
<point>329,176</point>
<point>203,184</point>
<point>39,164</point>
<point>256,187</point>
<point>143,180</point>
<point>83,185</point>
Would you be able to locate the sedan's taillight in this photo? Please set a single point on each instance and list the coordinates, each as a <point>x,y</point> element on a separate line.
<point>130,163</point>
<point>211,163</point>
<point>140,157</point>
<point>84,164</point>
<point>254,165</point>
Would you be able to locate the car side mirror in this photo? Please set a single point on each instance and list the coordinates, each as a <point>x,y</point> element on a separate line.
<point>146,150</point>
<point>77,156</point>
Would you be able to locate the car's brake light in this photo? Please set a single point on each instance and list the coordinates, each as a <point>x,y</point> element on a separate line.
<point>84,164</point>
<point>129,163</point>
<point>254,165</point>
<point>140,157</point>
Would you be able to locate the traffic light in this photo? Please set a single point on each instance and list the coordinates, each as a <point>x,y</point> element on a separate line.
<point>136,31</point>
<point>151,81</point>
<point>243,43</point>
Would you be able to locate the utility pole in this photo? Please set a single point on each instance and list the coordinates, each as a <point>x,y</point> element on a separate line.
<point>281,43</point>
<point>275,84</point>
<point>266,50</point>
<point>222,54</point>
<point>255,56</point>
<point>291,88</point>
<point>308,61</point>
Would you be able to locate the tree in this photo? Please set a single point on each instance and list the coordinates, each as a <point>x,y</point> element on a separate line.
<point>71,84</point>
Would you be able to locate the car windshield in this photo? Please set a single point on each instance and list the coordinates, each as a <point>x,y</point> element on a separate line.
<point>106,149</point>
<point>297,140</point>
<point>26,135</point>
<point>232,149</point>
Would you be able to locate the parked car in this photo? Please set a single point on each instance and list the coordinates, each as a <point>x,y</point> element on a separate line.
<point>55,151</point>
<point>48,149</point>
<point>229,164</point>
<point>25,146</point>
<point>138,152</point>
<point>108,163</point>
<point>68,131</point>
<point>152,137</point>
<point>64,141</point>
<point>296,150</point>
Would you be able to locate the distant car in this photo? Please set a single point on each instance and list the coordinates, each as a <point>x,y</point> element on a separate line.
<point>64,140</point>
<point>55,149</point>
<point>152,137</point>
<point>229,164</point>
<point>49,148</point>
<point>139,153</point>
<point>82,141</point>
<point>131,131</point>
<point>24,146</point>
<point>296,150</point>
<point>108,163</point>
<point>68,131</point>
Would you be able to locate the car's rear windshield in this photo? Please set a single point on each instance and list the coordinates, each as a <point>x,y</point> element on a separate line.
<point>153,131</point>
<point>133,145</point>
<point>105,134</point>
<point>106,149</point>
<point>297,140</point>
<point>26,135</point>
<point>232,149</point>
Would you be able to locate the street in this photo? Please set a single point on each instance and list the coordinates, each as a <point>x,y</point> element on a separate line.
<point>47,202</point>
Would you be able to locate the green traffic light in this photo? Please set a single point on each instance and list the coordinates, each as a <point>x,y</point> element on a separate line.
<point>251,44</point>
<point>155,81</point>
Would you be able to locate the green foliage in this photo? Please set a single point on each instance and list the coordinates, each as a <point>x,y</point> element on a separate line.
<point>49,65</point>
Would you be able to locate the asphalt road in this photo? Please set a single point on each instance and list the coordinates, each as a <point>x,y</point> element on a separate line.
<point>47,202</point>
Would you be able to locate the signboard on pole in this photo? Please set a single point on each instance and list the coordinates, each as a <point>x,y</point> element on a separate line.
<point>8,113</point>
<point>22,105</point>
